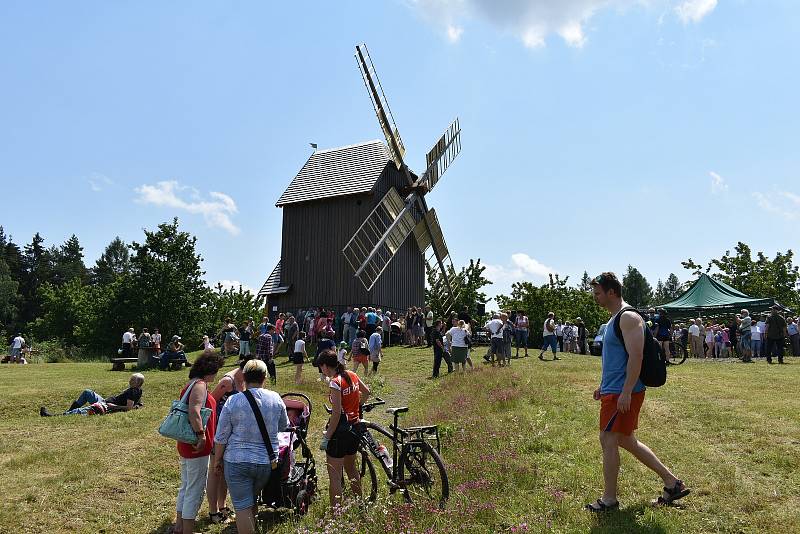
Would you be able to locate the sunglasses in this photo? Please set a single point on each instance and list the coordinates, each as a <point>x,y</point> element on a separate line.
<point>599,279</point>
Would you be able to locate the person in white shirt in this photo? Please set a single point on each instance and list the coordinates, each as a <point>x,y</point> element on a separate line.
<point>459,348</point>
<point>560,335</point>
<point>521,332</point>
<point>495,328</point>
<point>127,339</point>
<point>695,341</point>
<point>549,336</point>
<point>756,339</point>
<point>16,348</point>
<point>346,324</point>
<point>762,330</point>
<point>299,356</point>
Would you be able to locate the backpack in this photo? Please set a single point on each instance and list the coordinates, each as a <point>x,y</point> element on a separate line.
<point>363,347</point>
<point>508,333</point>
<point>654,363</point>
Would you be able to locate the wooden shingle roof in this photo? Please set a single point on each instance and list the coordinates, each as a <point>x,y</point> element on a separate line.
<point>348,170</point>
<point>273,284</point>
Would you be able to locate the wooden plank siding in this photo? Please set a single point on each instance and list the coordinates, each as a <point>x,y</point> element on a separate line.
<point>314,233</point>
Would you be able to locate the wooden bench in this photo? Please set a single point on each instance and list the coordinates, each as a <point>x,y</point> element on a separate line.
<point>118,364</point>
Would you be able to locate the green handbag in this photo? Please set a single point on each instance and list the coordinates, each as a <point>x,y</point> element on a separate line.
<point>176,424</point>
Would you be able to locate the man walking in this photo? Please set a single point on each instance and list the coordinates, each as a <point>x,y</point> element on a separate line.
<point>549,337</point>
<point>439,353</point>
<point>621,395</point>
<point>495,328</point>
<point>776,333</point>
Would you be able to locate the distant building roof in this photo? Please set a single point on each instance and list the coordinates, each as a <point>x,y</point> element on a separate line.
<point>272,285</point>
<point>347,170</point>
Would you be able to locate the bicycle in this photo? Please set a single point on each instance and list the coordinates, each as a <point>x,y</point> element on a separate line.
<point>415,466</point>
<point>678,353</point>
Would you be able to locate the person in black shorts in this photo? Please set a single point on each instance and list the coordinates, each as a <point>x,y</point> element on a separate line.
<point>343,432</point>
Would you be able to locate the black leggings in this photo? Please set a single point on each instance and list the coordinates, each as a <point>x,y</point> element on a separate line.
<point>375,367</point>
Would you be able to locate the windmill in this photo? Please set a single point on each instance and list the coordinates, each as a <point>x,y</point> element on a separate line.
<point>400,214</point>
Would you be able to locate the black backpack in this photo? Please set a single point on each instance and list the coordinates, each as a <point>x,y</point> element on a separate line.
<point>654,363</point>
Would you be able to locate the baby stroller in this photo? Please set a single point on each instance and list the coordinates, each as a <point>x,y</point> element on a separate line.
<point>296,484</point>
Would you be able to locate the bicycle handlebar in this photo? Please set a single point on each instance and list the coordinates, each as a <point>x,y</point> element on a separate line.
<point>366,407</point>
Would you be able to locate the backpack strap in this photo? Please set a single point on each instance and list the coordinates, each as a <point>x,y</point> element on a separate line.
<point>261,426</point>
<point>618,328</point>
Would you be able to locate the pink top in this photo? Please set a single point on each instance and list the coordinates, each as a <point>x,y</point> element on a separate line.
<point>725,337</point>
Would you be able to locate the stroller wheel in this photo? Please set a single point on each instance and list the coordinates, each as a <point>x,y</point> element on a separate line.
<point>301,502</point>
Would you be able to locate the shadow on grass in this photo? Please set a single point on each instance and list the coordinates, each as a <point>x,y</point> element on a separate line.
<point>630,519</point>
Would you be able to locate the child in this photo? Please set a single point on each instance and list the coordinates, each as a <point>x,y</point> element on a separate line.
<point>299,356</point>
<point>360,352</point>
<point>719,344</point>
<point>343,353</point>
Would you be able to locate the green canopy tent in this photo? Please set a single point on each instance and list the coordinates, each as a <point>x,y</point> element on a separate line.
<point>708,297</point>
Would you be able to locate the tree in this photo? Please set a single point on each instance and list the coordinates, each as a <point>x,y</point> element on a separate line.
<point>238,304</point>
<point>470,295</point>
<point>763,277</point>
<point>658,294</point>
<point>586,282</point>
<point>672,288</point>
<point>567,303</point>
<point>166,289</point>
<point>68,262</point>
<point>8,297</point>
<point>36,270</point>
<point>635,289</point>
<point>114,262</point>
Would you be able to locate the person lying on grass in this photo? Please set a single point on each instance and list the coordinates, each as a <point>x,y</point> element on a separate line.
<point>90,403</point>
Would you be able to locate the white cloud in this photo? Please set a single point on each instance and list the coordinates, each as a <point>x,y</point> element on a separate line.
<point>694,10</point>
<point>217,212</point>
<point>454,33</point>
<point>98,182</point>
<point>532,21</point>
<point>776,203</point>
<point>522,268</point>
<point>718,184</point>
<point>234,284</point>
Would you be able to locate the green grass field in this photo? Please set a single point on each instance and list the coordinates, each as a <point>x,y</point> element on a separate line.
<point>520,445</point>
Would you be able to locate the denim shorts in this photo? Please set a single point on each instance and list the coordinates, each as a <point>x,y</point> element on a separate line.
<point>245,481</point>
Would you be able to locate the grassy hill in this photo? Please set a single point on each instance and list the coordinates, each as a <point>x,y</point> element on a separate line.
<point>520,445</point>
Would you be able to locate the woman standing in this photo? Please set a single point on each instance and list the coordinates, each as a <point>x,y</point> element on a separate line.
<point>299,356</point>
<point>194,458</point>
<point>341,437</point>
<point>458,343</point>
<point>248,461</point>
<point>230,384</point>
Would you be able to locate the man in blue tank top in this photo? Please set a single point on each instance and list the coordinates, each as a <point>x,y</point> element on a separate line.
<point>621,395</point>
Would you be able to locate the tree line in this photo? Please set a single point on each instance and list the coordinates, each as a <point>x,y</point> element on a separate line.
<point>50,293</point>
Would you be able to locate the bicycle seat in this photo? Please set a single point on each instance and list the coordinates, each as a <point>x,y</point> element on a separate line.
<point>399,410</point>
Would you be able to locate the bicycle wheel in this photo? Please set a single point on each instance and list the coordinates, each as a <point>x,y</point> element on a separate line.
<point>369,479</point>
<point>679,353</point>
<point>423,476</point>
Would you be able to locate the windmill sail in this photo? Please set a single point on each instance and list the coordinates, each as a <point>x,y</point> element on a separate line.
<point>441,155</point>
<point>381,104</point>
<point>378,239</point>
<point>448,283</point>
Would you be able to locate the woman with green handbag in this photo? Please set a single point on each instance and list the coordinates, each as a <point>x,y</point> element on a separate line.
<point>194,458</point>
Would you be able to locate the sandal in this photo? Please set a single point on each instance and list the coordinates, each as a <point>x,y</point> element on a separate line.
<point>678,491</point>
<point>228,512</point>
<point>599,506</point>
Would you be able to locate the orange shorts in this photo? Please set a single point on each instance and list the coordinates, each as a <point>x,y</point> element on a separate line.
<point>613,421</point>
<point>361,358</point>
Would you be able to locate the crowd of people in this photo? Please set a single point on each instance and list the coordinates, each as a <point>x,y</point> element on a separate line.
<point>743,336</point>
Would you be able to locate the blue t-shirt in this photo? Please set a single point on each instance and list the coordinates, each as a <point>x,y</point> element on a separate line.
<point>372,318</point>
<point>615,363</point>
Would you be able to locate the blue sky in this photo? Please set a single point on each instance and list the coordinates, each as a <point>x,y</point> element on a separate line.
<point>596,133</point>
